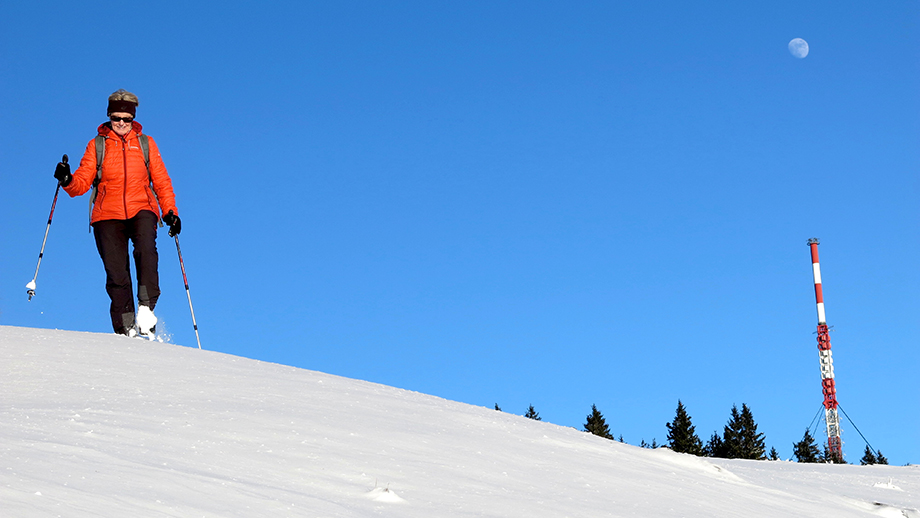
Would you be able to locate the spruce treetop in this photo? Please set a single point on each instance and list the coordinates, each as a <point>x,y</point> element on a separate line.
<point>533,414</point>
<point>868,457</point>
<point>596,424</point>
<point>806,450</point>
<point>682,436</point>
<point>742,441</point>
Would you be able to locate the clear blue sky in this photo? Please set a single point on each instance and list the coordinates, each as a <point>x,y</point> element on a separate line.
<point>515,203</point>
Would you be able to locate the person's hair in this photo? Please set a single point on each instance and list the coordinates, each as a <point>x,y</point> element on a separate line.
<point>123,95</point>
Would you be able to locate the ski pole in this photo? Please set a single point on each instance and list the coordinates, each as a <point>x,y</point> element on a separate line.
<point>30,287</point>
<point>187,292</point>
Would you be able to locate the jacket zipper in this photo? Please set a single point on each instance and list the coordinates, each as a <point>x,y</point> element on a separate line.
<point>124,161</point>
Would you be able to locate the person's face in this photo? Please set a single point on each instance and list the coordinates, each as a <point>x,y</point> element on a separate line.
<point>121,122</point>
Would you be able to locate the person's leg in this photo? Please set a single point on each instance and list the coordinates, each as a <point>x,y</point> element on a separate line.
<point>112,244</point>
<point>143,234</point>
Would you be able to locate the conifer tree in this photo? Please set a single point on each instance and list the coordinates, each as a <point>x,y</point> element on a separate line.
<point>806,450</point>
<point>868,457</point>
<point>880,459</point>
<point>731,435</point>
<point>596,424</point>
<point>532,414</point>
<point>715,447</point>
<point>682,436</point>
<point>740,436</point>
<point>752,442</point>
<point>773,454</point>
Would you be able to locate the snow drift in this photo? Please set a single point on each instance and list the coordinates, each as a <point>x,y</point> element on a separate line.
<point>103,425</point>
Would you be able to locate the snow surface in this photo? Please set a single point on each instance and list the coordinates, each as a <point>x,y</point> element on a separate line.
<point>104,425</point>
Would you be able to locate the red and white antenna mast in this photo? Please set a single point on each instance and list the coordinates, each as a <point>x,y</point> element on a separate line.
<point>834,444</point>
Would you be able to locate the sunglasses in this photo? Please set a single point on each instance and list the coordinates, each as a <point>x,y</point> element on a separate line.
<point>120,119</point>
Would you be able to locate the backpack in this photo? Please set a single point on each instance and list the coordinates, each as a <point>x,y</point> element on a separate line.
<point>100,155</point>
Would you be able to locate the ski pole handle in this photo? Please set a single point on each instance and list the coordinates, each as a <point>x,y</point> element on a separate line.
<point>62,172</point>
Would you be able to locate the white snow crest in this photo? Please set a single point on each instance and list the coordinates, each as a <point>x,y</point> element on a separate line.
<point>692,462</point>
<point>383,494</point>
<point>888,485</point>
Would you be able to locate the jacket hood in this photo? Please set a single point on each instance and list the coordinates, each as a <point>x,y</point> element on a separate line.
<point>105,129</point>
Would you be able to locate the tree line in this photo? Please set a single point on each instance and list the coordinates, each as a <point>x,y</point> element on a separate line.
<point>739,438</point>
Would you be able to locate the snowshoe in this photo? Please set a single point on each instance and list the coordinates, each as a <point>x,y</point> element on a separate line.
<point>146,323</point>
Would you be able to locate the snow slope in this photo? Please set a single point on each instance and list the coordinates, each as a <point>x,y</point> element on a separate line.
<point>102,425</point>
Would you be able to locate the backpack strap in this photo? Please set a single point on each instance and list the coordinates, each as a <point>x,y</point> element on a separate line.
<point>100,155</point>
<point>145,147</point>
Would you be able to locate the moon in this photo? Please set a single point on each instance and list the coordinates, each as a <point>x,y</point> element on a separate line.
<point>798,48</point>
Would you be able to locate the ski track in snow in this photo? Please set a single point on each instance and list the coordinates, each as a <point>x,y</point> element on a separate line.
<point>102,425</point>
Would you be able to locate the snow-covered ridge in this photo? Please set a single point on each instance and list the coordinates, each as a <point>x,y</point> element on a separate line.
<point>102,425</point>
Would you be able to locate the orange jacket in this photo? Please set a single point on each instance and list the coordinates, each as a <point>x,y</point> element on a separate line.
<point>125,186</point>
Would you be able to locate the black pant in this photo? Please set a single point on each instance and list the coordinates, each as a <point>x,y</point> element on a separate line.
<point>112,242</point>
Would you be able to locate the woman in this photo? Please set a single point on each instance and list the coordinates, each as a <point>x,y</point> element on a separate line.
<point>126,209</point>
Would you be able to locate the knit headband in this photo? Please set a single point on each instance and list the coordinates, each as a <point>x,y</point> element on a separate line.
<point>122,106</point>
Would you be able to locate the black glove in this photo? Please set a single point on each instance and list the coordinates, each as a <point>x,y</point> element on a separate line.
<point>62,172</point>
<point>175,224</point>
